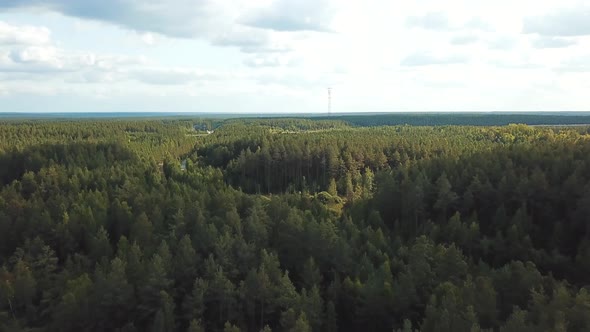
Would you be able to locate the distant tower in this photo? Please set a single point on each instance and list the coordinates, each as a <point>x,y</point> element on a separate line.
<point>329,101</point>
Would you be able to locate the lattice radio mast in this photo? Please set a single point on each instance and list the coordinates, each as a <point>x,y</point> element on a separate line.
<point>329,101</point>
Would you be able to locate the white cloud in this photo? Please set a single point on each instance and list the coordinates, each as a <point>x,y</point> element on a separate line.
<point>426,59</point>
<point>579,64</point>
<point>573,21</point>
<point>301,82</point>
<point>464,39</point>
<point>32,59</point>
<point>245,24</point>
<point>171,76</point>
<point>94,77</point>
<point>288,15</point>
<point>148,38</point>
<point>440,21</point>
<point>182,18</point>
<point>37,62</point>
<point>432,21</point>
<point>477,23</point>
<point>50,60</point>
<point>553,42</point>
<point>502,43</point>
<point>244,38</point>
<point>34,54</point>
<point>24,35</point>
<point>244,54</point>
<point>272,60</point>
<point>515,64</point>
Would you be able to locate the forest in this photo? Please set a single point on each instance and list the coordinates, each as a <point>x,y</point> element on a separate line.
<point>293,224</point>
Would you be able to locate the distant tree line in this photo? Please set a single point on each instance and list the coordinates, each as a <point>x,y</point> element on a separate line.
<point>462,119</point>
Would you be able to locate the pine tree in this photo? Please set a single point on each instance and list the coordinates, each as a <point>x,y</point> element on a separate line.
<point>311,274</point>
<point>24,286</point>
<point>167,309</point>
<point>331,322</point>
<point>100,246</point>
<point>195,326</point>
<point>142,231</point>
<point>301,324</point>
<point>150,297</point>
<point>332,189</point>
<point>446,197</point>
<point>185,262</point>
<point>228,327</point>
<point>193,306</point>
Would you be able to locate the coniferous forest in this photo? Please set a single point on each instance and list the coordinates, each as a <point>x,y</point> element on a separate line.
<point>292,225</point>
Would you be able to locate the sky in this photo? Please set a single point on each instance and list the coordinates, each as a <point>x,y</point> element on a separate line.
<point>280,56</point>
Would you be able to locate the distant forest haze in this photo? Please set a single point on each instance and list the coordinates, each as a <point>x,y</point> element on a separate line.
<point>347,223</point>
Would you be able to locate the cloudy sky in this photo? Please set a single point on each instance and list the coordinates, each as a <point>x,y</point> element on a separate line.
<point>281,55</point>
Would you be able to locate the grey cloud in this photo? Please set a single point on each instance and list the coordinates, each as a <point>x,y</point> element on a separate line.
<point>575,65</point>
<point>249,38</point>
<point>289,15</point>
<point>515,65</point>
<point>97,77</point>
<point>444,84</point>
<point>423,59</point>
<point>45,61</point>
<point>478,23</point>
<point>34,68</point>
<point>178,18</point>
<point>567,22</point>
<point>553,42</point>
<point>257,62</point>
<point>16,76</point>
<point>502,43</point>
<point>262,49</point>
<point>271,61</point>
<point>96,69</point>
<point>290,81</point>
<point>297,80</point>
<point>464,39</point>
<point>204,19</point>
<point>19,56</point>
<point>33,60</point>
<point>439,21</point>
<point>170,76</point>
<point>429,21</point>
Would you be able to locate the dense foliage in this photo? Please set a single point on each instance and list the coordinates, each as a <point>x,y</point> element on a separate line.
<point>292,225</point>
